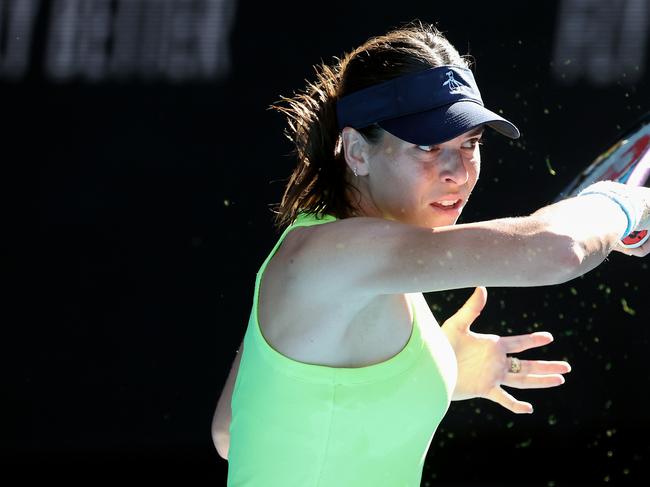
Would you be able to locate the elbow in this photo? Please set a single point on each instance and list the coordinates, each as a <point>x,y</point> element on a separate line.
<point>221,440</point>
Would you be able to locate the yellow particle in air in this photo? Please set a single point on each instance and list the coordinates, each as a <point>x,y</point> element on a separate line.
<point>548,165</point>
<point>626,308</point>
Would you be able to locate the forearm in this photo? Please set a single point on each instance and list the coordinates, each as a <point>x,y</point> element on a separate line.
<point>223,413</point>
<point>594,224</point>
<point>552,245</point>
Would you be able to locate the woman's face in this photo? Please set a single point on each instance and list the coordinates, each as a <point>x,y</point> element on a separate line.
<point>409,183</point>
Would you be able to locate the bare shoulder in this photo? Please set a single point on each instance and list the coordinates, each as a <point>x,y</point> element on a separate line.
<point>348,259</point>
<point>287,296</point>
<point>301,263</point>
<point>309,311</point>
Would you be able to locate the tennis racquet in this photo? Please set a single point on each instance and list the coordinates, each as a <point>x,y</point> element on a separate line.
<point>627,161</point>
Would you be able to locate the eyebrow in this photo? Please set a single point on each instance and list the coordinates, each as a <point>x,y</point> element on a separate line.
<point>476,131</point>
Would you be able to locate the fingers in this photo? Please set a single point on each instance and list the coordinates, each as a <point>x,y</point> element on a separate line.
<point>538,374</point>
<point>641,251</point>
<point>533,381</point>
<point>502,397</point>
<point>519,343</point>
<point>469,311</point>
<point>545,367</point>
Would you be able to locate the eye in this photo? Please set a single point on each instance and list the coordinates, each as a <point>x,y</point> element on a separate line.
<point>472,143</point>
<point>427,148</point>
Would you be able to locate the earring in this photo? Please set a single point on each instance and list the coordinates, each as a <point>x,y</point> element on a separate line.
<point>354,170</point>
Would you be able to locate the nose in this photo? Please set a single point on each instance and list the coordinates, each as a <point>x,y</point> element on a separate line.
<point>452,167</point>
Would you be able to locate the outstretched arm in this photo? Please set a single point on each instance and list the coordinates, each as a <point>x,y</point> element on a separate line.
<point>223,413</point>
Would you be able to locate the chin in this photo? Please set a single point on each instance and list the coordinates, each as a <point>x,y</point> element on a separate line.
<point>446,222</point>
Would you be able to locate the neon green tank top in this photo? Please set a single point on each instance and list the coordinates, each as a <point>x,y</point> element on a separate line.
<point>296,424</point>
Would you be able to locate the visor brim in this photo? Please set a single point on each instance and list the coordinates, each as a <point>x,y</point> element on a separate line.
<point>439,125</point>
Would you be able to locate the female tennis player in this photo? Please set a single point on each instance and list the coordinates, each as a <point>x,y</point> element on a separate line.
<point>344,374</point>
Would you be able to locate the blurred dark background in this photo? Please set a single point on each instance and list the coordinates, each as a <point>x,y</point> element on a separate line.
<point>141,162</point>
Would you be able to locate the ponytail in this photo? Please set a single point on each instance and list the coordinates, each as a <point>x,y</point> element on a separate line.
<point>317,184</point>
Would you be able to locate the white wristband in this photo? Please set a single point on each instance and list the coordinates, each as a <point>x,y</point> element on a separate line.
<point>616,192</point>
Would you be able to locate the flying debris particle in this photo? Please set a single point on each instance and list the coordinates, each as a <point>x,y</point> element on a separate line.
<point>548,165</point>
<point>626,308</point>
<point>552,419</point>
<point>226,202</point>
<point>524,444</point>
<point>573,291</point>
<point>608,366</point>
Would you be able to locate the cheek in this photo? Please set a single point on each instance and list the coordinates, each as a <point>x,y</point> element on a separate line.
<point>474,165</point>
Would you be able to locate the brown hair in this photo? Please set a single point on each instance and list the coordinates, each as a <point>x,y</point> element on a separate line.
<point>318,183</point>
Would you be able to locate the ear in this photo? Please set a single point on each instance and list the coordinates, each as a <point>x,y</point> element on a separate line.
<point>355,150</point>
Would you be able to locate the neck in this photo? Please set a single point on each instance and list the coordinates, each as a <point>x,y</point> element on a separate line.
<point>360,198</point>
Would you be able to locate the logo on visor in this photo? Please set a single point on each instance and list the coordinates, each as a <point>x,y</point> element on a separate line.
<point>454,86</point>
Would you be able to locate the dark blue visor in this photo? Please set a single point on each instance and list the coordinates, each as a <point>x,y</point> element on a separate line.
<point>424,108</point>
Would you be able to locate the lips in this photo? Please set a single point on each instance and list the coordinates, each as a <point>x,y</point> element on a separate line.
<point>447,199</point>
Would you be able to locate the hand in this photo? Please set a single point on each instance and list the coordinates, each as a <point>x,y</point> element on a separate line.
<point>641,251</point>
<point>641,196</point>
<point>483,362</point>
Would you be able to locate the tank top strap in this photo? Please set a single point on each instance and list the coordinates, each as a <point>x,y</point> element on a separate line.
<point>304,219</point>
